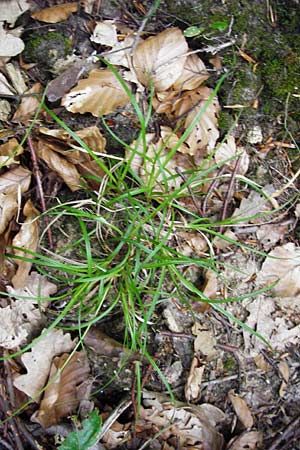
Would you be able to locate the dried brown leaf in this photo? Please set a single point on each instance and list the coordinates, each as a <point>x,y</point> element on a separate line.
<point>62,84</point>
<point>191,242</point>
<point>5,108</point>
<point>192,389</point>
<point>283,264</point>
<point>12,185</point>
<point>38,362</point>
<point>101,93</point>
<point>229,150</point>
<point>194,73</point>
<point>249,440</point>
<point>241,409</point>
<point>16,78</point>
<point>205,341</point>
<point>62,396</point>
<point>28,106</point>
<point>55,14</point>
<point>66,170</point>
<point>102,344</point>
<point>27,239</point>
<point>161,58</point>
<point>9,151</point>
<point>5,87</point>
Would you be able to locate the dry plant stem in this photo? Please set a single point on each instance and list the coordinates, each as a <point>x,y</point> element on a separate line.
<point>211,189</point>
<point>291,432</point>
<point>229,194</point>
<point>37,175</point>
<point>198,209</point>
<point>13,421</point>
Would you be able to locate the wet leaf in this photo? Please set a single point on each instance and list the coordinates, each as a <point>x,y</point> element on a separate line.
<point>38,362</point>
<point>86,437</point>
<point>55,14</point>
<point>242,410</point>
<point>101,93</point>
<point>161,58</point>
<point>27,239</point>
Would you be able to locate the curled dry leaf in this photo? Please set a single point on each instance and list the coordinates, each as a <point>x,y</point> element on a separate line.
<point>282,265</point>
<point>27,239</point>
<point>101,93</point>
<point>38,361</point>
<point>241,409</point>
<point>161,58</point>
<point>63,394</point>
<point>12,185</point>
<point>194,73</point>
<point>9,151</point>
<point>229,151</point>
<point>28,106</point>
<point>10,10</point>
<point>191,426</point>
<point>192,389</point>
<point>55,14</point>
<point>66,170</point>
<point>10,45</point>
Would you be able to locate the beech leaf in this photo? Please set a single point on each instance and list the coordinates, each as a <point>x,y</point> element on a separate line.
<point>55,14</point>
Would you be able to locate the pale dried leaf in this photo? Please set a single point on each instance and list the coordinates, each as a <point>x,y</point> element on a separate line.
<point>205,341</point>
<point>161,58</point>
<point>37,290</point>
<point>120,56</point>
<point>173,373</point>
<point>16,78</point>
<point>191,242</point>
<point>113,439</point>
<point>10,10</point>
<point>38,361</point>
<point>27,239</point>
<point>55,14</point>
<point>102,344</point>
<point>12,185</point>
<point>66,170</point>
<point>28,106</point>
<point>284,369</point>
<point>62,396</point>
<point>261,362</point>
<point>221,244</point>
<point>105,33</point>
<point>282,264</point>
<point>229,150</point>
<point>241,409</point>
<point>5,108</point>
<point>194,73</point>
<point>101,93</point>
<point>254,204</point>
<point>10,45</point>
<point>5,88</point>
<point>249,440</point>
<point>210,288</point>
<point>9,151</point>
<point>192,389</point>
<point>270,234</point>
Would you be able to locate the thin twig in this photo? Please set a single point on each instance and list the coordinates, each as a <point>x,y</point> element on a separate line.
<point>229,194</point>
<point>13,423</point>
<point>211,188</point>
<point>293,427</point>
<point>37,175</point>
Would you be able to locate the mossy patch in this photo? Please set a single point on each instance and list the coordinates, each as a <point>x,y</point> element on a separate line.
<point>46,48</point>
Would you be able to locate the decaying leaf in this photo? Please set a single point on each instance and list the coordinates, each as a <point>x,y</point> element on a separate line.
<point>254,204</point>
<point>249,440</point>
<point>63,395</point>
<point>285,373</point>
<point>38,361</point>
<point>9,151</point>
<point>282,264</point>
<point>5,108</point>
<point>270,234</point>
<point>102,344</point>
<point>12,185</point>
<point>192,389</point>
<point>161,58</point>
<point>242,410</point>
<point>62,84</point>
<point>190,426</point>
<point>28,106</point>
<point>16,78</point>
<point>229,151</point>
<point>5,88</point>
<point>10,10</point>
<point>10,45</point>
<point>105,33</point>
<point>205,341</point>
<point>27,239</point>
<point>55,14</point>
<point>119,55</point>
<point>194,73</point>
<point>210,287</point>
<point>66,170</point>
<point>22,316</point>
<point>101,93</point>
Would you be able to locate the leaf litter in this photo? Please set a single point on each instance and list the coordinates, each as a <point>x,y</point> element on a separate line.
<point>161,61</point>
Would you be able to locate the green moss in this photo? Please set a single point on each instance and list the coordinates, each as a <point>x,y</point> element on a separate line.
<point>45,49</point>
<point>230,364</point>
<point>225,121</point>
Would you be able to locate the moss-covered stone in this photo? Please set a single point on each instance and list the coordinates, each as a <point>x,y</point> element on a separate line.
<point>46,48</point>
